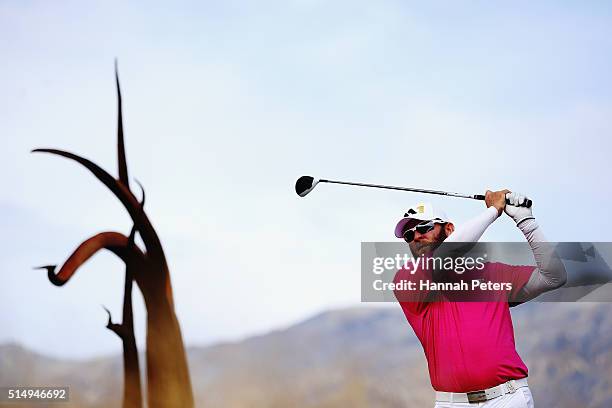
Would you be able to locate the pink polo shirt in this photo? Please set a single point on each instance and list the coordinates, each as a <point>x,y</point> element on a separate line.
<point>469,345</point>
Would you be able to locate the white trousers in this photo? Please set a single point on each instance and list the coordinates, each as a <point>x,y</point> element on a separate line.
<point>520,399</point>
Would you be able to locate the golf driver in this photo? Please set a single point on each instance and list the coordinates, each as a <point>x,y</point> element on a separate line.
<point>306,184</point>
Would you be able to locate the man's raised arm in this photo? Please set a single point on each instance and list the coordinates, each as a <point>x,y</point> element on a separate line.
<point>550,272</point>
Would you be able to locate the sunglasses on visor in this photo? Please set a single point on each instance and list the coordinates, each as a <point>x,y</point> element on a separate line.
<point>422,228</point>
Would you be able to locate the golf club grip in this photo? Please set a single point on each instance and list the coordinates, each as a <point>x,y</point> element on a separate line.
<point>527,202</point>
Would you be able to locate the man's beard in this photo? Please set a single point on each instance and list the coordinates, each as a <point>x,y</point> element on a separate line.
<point>420,248</point>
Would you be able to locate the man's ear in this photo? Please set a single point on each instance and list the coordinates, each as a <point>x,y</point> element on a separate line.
<point>449,228</point>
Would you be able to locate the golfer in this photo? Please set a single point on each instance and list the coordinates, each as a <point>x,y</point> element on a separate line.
<point>469,346</point>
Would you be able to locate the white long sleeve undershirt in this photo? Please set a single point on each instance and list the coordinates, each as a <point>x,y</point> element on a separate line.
<point>472,230</point>
<point>550,272</point>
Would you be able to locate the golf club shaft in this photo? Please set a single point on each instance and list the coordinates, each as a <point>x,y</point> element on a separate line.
<point>416,190</point>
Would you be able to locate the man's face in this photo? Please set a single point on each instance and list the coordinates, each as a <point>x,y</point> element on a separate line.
<point>429,241</point>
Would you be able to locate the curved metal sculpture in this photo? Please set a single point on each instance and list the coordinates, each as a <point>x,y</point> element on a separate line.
<point>168,381</point>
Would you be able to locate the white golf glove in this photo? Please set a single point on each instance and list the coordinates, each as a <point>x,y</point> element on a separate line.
<point>517,213</point>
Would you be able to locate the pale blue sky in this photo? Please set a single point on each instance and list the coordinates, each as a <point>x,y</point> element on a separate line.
<point>226,103</point>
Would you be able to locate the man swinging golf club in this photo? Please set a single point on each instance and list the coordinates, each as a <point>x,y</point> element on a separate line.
<point>469,346</point>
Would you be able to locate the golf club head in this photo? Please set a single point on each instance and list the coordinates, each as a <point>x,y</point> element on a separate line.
<point>305,184</point>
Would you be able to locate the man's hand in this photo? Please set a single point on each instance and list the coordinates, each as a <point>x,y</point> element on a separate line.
<point>517,213</point>
<point>496,199</point>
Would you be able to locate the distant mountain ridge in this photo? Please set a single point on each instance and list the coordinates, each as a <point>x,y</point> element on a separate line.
<point>358,357</point>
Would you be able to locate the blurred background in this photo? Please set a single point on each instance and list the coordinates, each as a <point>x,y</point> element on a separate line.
<point>225,105</point>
